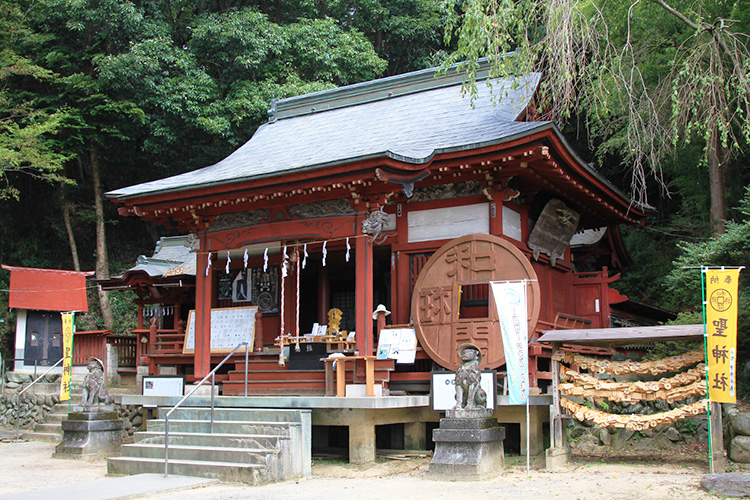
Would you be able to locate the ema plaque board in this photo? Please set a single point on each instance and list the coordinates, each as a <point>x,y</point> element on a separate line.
<point>229,327</point>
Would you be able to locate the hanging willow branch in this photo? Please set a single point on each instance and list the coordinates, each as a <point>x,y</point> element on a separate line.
<point>598,61</point>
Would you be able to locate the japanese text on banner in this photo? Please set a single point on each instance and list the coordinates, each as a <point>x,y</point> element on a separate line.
<point>67,331</point>
<point>721,331</point>
<point>510,300</point>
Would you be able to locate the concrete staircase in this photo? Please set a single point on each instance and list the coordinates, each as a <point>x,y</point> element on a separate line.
<point>253,446</point>
<point>51,430</point>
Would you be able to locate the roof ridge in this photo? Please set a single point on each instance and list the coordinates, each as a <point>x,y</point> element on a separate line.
<point>373,90</point>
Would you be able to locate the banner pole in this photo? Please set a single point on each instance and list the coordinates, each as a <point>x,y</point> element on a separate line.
<point>705,357</point>
<point>528,439</point>
<point>72,346</point>
<point>528,393</point>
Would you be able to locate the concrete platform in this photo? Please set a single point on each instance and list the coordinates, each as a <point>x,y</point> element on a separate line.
<point>362,414</point>
<point>112,488</point>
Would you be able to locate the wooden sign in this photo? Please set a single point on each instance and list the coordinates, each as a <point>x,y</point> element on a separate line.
<point>229,327</point>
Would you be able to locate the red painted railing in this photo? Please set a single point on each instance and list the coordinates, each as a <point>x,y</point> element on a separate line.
<point>90,344</point>
<point>94,344</point>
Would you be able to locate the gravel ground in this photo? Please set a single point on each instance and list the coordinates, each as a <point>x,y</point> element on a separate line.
<point>28,465</point>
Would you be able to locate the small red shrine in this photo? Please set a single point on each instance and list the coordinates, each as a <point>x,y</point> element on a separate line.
<point>39,296</point>
<point>402,192</point>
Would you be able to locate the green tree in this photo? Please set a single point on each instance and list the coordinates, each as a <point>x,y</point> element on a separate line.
<point>731,248</point>
<point>647,75</point>
<point>27,129</point>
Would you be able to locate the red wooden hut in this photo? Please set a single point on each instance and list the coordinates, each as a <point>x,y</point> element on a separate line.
<point>39,296</point>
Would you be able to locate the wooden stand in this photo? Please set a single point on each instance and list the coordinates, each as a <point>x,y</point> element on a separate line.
<point>341,374</point>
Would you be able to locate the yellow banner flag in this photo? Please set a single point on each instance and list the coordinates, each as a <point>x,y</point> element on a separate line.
<point>67,331</point>
<point>721,331</point>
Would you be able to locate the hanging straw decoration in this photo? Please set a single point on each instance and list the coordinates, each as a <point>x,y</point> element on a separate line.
<point>634,422</point>
<point>654,367</point>
<point>296,346</point>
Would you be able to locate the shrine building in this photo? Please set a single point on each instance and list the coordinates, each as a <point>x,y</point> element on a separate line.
<point>401,192</point>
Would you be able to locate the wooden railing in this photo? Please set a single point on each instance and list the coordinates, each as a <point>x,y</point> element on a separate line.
<point>90,344</point>
<point>126,350</point>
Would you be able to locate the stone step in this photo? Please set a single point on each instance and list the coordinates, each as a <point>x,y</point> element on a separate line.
<point>236,414</point>
<point>217,453</point>
<point>55,418</point>
<point>49,428</point>
<point>223,427</point>
<point>261,441</point>
<point>224,471</point>
<point>45,437</point>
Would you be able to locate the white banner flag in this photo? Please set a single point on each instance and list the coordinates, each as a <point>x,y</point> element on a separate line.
<point>510,300</point>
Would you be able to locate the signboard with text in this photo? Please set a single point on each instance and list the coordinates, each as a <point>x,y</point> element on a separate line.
<point>721,333</point>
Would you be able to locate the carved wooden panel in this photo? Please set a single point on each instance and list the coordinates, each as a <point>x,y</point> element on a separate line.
<point>472,259</point>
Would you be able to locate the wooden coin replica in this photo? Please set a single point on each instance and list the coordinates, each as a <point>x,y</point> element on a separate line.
<point>467,264</point>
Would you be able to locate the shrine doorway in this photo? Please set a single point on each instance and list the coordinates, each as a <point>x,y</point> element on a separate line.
<point>43,338</point>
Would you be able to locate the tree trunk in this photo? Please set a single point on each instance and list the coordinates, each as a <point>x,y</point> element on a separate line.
<point>69,230</point>
<point>102,260</point>
<point>716,183</point>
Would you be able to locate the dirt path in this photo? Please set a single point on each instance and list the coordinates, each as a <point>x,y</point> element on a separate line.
<point>28,465</point>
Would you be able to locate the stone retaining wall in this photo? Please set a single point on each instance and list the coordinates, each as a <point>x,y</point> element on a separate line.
<point>33,408</point>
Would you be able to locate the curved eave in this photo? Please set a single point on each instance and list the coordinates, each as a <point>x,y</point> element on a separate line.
<point>564,170</point>
<point>142,278</point>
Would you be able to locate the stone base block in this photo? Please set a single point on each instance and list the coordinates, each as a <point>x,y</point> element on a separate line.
<point>556,457</point>
<point>90,434</point>
<point>204,390</point>
<point>360,390</point>
<point>467,449</point>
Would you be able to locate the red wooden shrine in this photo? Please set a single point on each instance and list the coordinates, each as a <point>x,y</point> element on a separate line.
<point>342,198</point>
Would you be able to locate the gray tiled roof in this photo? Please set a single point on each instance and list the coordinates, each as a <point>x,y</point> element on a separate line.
<point>170,256</point>
<point>411,127</point>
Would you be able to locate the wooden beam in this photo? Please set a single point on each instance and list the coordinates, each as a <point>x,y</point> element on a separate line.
<point>630,335</point>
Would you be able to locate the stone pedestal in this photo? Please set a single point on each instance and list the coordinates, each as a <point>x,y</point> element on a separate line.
<point>556,458</point>
<point>468,446</point>
<point>90,432</point>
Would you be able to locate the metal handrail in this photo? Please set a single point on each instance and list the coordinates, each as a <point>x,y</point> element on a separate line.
<point>18,396</point>
<point>211,374</point>
<point>36,361</point>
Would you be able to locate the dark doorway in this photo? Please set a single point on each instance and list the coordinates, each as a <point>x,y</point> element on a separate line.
<point>43,338</point>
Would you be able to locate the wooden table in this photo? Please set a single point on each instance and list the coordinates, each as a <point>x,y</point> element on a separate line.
<point>341,374</point>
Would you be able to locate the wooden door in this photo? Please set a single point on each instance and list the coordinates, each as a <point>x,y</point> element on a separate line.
<point>43,338</point>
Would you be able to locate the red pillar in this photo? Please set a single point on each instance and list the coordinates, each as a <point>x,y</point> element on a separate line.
<point>363,293</point>
<point>203,291</point>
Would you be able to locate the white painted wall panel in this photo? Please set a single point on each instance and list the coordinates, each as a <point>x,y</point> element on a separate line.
<point>512,224</point>
<point>448,223</point>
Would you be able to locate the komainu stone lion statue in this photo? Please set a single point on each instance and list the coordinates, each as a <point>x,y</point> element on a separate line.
<point>94,391</point>
<point>469,394</point>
